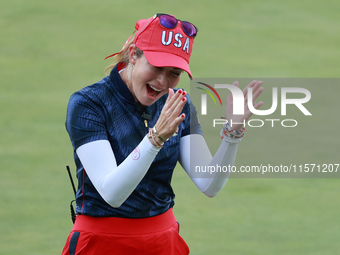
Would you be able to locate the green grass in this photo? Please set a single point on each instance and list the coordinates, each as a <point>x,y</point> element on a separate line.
<point>51,49</point>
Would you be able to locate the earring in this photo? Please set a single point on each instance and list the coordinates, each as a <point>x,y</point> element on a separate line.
<point>129,71</point>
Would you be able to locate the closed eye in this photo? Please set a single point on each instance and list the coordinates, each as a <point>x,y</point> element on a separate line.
<point>174,71</point>
<point>177,73</point>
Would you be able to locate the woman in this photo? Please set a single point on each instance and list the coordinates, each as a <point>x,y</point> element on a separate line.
<point>128,131</point>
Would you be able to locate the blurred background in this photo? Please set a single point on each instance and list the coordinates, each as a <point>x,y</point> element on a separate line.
<point>50,49</point>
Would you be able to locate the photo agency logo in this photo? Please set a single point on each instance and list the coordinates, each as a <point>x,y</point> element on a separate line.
<point>218,90</point>
<point>281,141</point>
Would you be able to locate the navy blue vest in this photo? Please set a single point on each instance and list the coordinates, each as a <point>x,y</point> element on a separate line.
<point>107,111</point>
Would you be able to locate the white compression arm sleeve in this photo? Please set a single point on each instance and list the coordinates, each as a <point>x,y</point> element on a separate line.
<point>115,183</point>
<point>200,156</point>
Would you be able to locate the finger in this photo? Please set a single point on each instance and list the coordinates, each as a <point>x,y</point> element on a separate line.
<point>170,94</point>
<point>178,106</point>
<point>177,95</point>
<point>258,105</point>
<point>174,97</point>
<point>179,119</point>
<point>165,113</point>
<point>257,86</point>
<point>256,90</point>
<point>179,99</point>
<point>174,108</point>
<point>257,93</point>
<point>245,90</point>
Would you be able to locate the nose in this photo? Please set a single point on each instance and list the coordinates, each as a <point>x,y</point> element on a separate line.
<point>163,79</point>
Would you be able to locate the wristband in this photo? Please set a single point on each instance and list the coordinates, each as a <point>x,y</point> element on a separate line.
<point>161,138</point>
<point>230,135</point>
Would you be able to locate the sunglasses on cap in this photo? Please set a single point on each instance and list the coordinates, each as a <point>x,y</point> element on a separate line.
<point>171,22</point>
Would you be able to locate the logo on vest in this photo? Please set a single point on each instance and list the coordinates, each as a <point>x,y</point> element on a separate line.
<point>167,40</point>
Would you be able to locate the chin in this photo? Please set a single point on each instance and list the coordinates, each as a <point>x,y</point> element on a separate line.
<point>146,101</point>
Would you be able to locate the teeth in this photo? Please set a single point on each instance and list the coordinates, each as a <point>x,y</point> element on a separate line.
<point>158,90</point>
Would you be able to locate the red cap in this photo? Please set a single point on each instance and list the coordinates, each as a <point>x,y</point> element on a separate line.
<point>162,46</point>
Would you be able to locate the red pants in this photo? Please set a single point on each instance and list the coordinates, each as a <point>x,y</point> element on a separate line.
<point>121,236</point>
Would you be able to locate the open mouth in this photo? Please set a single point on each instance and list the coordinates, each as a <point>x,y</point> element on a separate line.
<point>152,91</point>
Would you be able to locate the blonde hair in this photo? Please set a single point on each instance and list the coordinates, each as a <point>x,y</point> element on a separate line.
<point>123,56</point>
